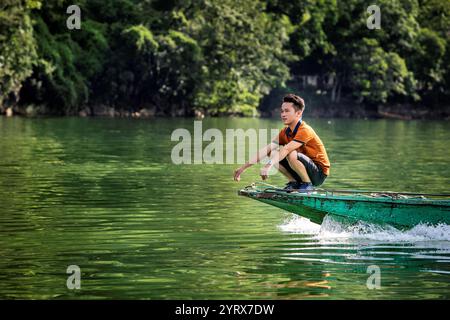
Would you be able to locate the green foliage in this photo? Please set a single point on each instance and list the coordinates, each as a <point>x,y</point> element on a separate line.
<point>143,38</point>
<point>64,85</point>
<point>244,54</point>
<point>167,66</point>
<point>17,48</point>
<point>427,59</point>
<point>311,37</point>
<point>68,63</point>
<point>435,15</point>
<point>220,56</point>
<point>377,74</point>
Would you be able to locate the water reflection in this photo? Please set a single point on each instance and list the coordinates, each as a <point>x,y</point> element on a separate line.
<point>104,195</point>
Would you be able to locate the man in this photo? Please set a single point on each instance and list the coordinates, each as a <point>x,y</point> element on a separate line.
<point>302,157</point>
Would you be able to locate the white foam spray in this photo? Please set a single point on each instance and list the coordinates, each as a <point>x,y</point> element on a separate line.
<point>336,231</point>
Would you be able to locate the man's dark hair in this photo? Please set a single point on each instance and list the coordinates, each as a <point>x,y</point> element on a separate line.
<point>296,101</point>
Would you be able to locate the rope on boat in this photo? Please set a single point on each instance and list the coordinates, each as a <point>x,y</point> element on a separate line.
<point>376,194</point>
<point>390,194</point>
<point>270,188</point>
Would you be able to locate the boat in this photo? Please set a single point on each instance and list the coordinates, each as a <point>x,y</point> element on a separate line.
<point>401,210</point>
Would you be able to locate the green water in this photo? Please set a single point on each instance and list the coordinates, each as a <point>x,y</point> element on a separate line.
<point>103,194</point>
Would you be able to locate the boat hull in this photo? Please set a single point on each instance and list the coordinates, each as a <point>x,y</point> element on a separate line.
<point>401,213</point>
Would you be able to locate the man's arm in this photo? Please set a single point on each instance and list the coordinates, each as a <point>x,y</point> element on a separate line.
<point>264,152</point>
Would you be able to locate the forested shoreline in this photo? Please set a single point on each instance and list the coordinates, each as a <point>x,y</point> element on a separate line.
<point>224,57</point>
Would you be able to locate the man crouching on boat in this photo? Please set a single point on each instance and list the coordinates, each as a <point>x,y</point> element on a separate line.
<point>297,151</point>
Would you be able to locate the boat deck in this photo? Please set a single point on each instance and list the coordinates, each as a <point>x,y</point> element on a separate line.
<point>385,207</point>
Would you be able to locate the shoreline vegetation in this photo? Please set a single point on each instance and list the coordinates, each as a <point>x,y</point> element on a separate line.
<point>399,112</point>
<point>186,58</point>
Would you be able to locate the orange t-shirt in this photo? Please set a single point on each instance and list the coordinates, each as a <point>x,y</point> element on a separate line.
<point>311,146</point>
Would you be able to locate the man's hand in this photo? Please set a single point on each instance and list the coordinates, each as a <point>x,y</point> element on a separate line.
<point>237,174</point>
<point>265,172</point>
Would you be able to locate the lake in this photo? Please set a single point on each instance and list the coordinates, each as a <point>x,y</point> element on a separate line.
<point>104,195</point>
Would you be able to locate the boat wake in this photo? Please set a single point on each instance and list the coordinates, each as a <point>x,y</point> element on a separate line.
<point>333,230</point>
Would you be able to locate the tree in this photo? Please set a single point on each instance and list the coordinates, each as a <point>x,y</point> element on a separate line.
<point>244,54</point>
<point>17,47</point>
<point>220,56</point>
<point>377,75</point>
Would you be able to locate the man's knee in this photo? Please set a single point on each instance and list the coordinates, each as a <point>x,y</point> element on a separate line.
<point>292,156</point>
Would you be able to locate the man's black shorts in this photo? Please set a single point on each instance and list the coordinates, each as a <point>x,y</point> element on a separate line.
<point>315,172</point>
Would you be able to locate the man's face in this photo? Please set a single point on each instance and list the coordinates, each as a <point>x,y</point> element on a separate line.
<point>289,114</point>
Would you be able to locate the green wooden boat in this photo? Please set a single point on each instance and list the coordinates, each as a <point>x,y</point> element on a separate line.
<point>401,210</point>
